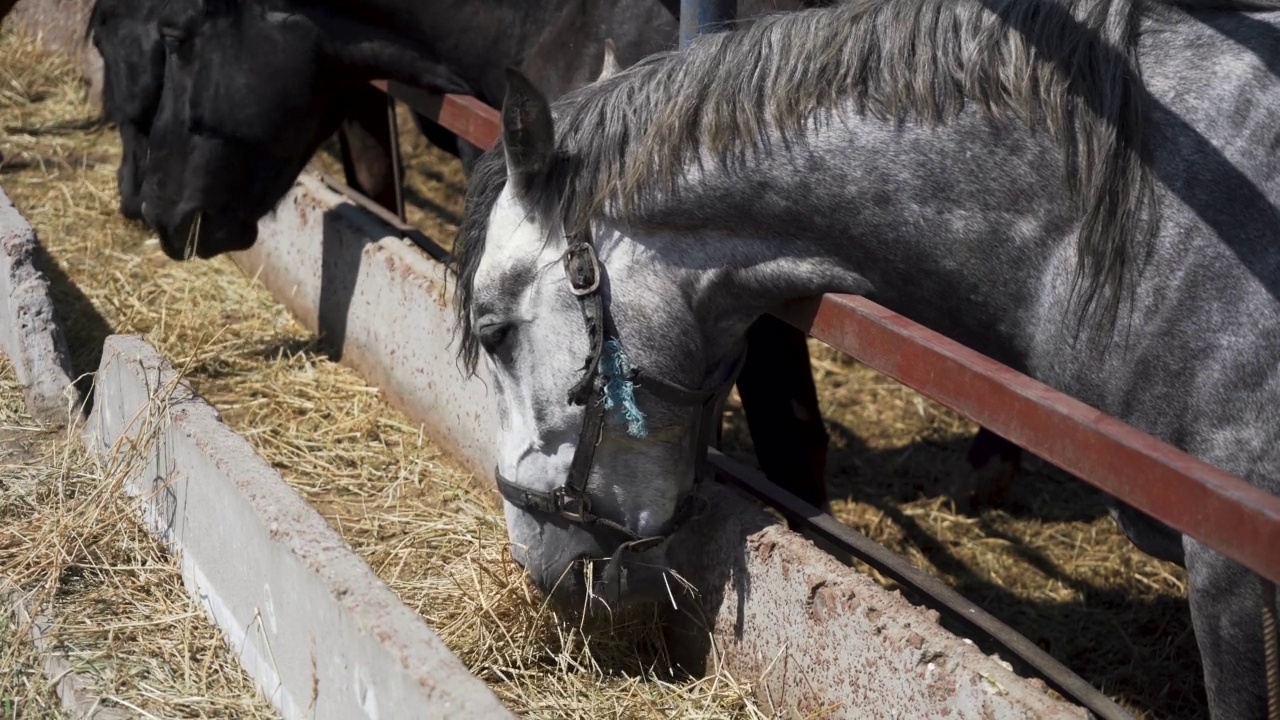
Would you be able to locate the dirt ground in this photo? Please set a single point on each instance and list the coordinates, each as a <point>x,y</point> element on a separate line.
<point>1052,565</point>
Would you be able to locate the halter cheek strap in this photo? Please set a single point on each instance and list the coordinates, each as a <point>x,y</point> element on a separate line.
<point>570,501</point>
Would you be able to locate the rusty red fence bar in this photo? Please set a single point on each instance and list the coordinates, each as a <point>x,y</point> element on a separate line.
<point>463,115</point>
<point>1234,517</point>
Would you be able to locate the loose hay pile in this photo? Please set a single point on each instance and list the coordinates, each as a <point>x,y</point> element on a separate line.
<point>423,525</point>
<point>70,539</point>
<point>1053,566</point>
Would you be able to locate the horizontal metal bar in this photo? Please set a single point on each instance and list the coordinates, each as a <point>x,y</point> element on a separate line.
<point>407,231</point>
<point>939,596</point>
<point>1235,518</point>
<point>463,115</point>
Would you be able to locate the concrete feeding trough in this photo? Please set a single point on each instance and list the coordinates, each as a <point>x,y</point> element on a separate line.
<point>320,634</point>
<point>816,635</point>
<point>29,331</point>
<point>317,630</point>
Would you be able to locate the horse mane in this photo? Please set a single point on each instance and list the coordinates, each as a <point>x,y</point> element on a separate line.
<point>1065,66</point>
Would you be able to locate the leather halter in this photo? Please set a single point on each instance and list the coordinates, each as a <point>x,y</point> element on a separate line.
<point>570,501</point>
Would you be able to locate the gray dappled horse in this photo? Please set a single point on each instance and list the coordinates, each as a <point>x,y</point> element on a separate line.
<point>1085,190</point>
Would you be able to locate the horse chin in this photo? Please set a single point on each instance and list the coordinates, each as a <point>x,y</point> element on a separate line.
<point>631,586</point>
<point>205,235</point>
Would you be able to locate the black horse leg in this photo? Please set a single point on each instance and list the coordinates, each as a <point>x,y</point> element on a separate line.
<point>365,137</point>
<point>780,403</point>
<point>996,461</point>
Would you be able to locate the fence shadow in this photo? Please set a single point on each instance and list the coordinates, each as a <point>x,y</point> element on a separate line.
<point>339,268</point>
<point>84,327</point>
<point>1138,647</point>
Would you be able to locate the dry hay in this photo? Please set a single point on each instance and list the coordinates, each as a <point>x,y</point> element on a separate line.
<point>72,541</point>
<point>1052,565</point>
<point>424,526</point>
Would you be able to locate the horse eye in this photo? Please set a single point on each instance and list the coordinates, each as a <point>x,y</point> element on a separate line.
<point>172,37</point>
<point>493,335</point>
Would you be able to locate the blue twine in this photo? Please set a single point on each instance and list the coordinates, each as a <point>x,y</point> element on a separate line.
<point>619,391</point>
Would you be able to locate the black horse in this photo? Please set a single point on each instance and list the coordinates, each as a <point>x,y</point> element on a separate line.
<point>126,35</point>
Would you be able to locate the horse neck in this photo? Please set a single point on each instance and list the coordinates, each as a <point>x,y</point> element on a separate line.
<point>965,228</point>
<point>556,44</point>
<point>488,34</point>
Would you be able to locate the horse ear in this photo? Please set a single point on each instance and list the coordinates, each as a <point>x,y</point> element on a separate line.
<point>372,53</point>
<point>609,65</point>
<point>528,135</point>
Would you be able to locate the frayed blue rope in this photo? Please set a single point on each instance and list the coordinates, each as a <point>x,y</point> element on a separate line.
<point>619,391</point>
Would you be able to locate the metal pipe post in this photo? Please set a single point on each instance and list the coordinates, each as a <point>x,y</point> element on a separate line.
<point>704,16</point>
<point>397,163</point>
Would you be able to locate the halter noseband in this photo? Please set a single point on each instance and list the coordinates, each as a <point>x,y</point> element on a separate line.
<point>570,501</point>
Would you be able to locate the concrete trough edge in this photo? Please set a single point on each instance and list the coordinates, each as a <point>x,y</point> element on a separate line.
<point>321,635</point>
<point>71,690</point>
<point>812,634</point>
<point>30,334</point>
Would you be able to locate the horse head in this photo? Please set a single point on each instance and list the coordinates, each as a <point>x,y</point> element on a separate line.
<point>609,384</point>
<point>251,91</point>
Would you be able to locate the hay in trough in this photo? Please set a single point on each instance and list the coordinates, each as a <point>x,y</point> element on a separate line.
<point>1052,564</point>
<point>70,539</point>
<point>428,529</point>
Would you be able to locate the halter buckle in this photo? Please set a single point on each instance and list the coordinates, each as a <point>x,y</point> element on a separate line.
<point>582,267</point>
<point>574,508</point>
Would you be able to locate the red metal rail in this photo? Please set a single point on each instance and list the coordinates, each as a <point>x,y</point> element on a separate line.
<point>465,116</point>
<point>1236,518</point>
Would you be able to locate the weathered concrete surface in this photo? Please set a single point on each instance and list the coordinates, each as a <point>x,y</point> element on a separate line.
<point>321,635</point>
<point>72,690</point>
<point>61,26</point>
<point>817,634</point>
<point>820,639</point>
<point>29,331</point>
<point>380,301</point>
